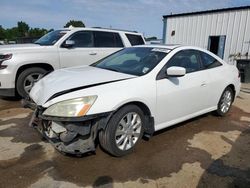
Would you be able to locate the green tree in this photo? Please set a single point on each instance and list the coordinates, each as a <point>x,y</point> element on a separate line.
<point>2,33</point>
<point>12,34</point>
<point>23,29</point>
<point>37,32</point>
<point>75,23</point>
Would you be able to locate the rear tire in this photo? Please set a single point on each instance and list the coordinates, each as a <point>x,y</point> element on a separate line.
<point>123,131</point>
<point>225,102</point>
<point>27,79</point>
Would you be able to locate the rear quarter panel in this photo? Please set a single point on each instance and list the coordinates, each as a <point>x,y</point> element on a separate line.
<point>220,78</point>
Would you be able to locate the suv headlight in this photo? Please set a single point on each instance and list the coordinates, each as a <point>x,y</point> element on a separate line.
<point>71,108</point>
<point>4,57</point>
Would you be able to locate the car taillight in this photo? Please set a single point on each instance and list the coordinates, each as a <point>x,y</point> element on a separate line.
<point>4,57</point>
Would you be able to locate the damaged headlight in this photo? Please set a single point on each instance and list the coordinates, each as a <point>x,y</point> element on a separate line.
<point>71,108</point>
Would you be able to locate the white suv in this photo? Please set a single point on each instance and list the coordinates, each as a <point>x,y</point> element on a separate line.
<point>22,65</point>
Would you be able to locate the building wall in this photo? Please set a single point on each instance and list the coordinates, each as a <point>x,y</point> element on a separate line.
<point>196,29</point>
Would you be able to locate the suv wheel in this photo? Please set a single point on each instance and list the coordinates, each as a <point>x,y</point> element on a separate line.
<point>123,131</point>
<point>27,79</point>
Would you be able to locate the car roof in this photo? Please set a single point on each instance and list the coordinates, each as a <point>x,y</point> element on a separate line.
<point>175,46</point>
<point>166,46</point>
<point>100,29</point>
<point>171,46</point>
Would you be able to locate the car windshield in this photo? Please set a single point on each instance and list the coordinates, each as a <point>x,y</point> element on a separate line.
<point>51,38</point>
<point>135,60</point>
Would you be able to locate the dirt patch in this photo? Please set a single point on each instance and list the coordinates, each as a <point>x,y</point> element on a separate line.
<point>216,147</point>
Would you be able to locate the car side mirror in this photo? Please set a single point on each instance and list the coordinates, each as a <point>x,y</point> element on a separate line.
<point>175,71</point>
<point>68,44</point>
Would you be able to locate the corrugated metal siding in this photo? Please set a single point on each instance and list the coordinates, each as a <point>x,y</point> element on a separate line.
<point>196,29</point>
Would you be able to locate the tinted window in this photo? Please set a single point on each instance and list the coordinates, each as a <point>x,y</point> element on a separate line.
<point>83,39</point>
<point>208,61</point>
<point>189,59</point>
<point>135,39</point>
<point>135,61</point>
<point>107,39</point>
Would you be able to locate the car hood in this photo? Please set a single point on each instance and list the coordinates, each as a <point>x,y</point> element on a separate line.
<point>71,79</point>
<point>17,47</point>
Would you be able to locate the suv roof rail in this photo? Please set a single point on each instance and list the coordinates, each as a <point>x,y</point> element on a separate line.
<point>115,29</point>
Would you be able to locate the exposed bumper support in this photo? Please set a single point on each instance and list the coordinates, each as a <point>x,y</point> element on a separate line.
<point>70,141</point>
<point>26,103</point>
<point>69,136</point>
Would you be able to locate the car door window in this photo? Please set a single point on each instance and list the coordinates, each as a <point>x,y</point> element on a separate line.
<point>83,39</point>
<point>107,40</point>
<point>208,61</point>
<point>188,59</point>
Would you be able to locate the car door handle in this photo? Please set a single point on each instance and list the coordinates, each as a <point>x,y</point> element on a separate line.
<point>203,85</point>
<point>93,53</point>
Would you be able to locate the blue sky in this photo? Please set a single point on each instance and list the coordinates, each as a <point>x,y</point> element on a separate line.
<point>141,15</point>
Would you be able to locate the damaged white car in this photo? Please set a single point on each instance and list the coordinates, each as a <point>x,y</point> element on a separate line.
<point>131,93</point>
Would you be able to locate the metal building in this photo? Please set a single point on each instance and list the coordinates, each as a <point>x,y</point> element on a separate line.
<point>225,32</point>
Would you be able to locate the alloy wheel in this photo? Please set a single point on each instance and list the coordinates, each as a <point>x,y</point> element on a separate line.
<point>226,101</point>
<point>30,81</point>
<point>128,131</point>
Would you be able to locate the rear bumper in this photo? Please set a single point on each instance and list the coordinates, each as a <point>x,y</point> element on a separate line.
<point>10,92</point>
<point>237,88</point>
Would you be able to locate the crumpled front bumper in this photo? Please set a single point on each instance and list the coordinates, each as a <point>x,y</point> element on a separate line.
<point>68,135</point>
<point>69,138</point>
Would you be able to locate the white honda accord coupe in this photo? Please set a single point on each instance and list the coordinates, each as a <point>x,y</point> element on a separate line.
<point>133,92</point>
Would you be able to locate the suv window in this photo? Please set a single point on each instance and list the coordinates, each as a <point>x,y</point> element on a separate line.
<point>107,39</point>
<point>189,59</point>
<point>83,39</point>
<point>135,39</point>
<point>208,61</point>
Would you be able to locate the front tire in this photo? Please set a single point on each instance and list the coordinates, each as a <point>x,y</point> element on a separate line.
<point>27,79</point>
<point>123,131</point>
<point>225,102</point>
